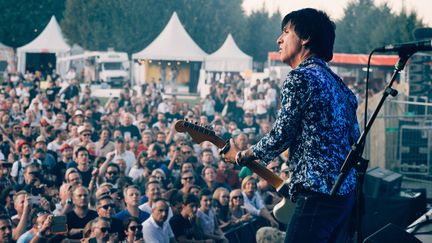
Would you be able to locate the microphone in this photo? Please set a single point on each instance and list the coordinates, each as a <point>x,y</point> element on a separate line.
<point>410,47</point>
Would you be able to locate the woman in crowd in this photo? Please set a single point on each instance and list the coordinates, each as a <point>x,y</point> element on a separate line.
<point>221,207</point>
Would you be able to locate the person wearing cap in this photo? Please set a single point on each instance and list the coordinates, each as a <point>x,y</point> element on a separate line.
<point>25,158</point>
<point>65,158</point>
<point>27,131</point>
<point>78,117</point>
<point>120,152</point>
<point>49,160</point>
<point>84,136</point>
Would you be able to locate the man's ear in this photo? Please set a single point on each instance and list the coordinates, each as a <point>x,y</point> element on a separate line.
<point>304,42</point>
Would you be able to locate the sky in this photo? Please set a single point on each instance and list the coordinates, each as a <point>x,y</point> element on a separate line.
<point>335,8</point>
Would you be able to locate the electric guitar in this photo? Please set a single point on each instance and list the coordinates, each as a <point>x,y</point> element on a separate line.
<point>285,208</point>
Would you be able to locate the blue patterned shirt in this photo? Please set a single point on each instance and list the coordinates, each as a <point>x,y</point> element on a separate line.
<point>317,122</point>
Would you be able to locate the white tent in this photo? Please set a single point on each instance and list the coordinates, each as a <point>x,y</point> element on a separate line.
<point>172,44</point>
<point>228,58</point>
<point>7,55</point>
<point>50,40</point>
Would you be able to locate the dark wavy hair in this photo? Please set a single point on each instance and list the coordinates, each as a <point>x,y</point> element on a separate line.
<point>315,25</point>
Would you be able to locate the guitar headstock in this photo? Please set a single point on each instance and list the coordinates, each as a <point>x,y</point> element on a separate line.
<point>198,133</point>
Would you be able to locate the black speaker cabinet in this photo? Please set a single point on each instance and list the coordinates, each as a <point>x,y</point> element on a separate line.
<point>391,234</point>
<point>401,209</point>
<point>379,182</point>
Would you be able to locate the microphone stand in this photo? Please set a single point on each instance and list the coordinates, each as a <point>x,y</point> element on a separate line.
<point>354,158</point>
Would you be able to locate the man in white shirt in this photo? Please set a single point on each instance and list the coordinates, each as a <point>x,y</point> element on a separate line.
<point>153,192</point>
<point>156,228</point>
<point>120,152</point>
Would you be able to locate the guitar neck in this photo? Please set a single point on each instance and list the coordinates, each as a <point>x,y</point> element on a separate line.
<point>274,180</point>
<point>200,134</point>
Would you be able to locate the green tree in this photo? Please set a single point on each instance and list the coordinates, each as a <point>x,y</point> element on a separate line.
<point>23,20</point>
<point>262,31</point>
<point>366,26</point>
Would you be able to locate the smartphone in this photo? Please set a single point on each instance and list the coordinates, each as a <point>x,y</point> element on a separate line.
<point>58,225</point>
<point>35,200</point>
<point>138,235</point>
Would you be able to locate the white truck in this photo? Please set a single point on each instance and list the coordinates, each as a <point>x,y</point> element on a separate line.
<point>111,68</point>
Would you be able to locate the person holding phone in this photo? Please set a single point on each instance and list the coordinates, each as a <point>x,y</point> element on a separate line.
<point>106,209</point>
<point>133,231</point>
<point>41,221</point>
<point>100,230</point>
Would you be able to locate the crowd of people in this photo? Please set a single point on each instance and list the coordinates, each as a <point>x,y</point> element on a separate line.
<point>75,169</point>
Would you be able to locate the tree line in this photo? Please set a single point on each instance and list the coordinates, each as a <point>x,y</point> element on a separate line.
<point>130,25</point>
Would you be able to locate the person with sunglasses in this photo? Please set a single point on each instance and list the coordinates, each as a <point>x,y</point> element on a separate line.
<point>100,230</point>
<point>236,204</point>
<point>133,231</point>
<point>157,228</point>
<point>187,179</point>
<point>105,208</point>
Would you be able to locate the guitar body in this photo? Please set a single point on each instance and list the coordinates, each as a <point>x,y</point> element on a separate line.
<point>284,210</point>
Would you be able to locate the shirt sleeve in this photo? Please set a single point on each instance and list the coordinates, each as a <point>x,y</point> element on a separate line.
<point>14,170</point>
<point>294,99</point>
<point>249,207</point>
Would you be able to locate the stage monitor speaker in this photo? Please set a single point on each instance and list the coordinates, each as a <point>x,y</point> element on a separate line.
<point>379,182</point>
<point>390,234</point>
<point>401,210</point>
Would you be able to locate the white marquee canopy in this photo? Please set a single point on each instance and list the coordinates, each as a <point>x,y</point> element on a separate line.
<point>50,40</point>
<point>173,43</point>
<point>228,58</point>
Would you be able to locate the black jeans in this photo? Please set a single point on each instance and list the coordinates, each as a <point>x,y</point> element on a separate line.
<point>320,218</point>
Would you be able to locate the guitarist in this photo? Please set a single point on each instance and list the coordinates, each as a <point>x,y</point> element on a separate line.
<point>317,122</point>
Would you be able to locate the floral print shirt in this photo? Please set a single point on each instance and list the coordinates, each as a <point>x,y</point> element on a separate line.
<point>317,122</point>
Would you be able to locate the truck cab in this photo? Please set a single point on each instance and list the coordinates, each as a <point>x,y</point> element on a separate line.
<point>112,68</point>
